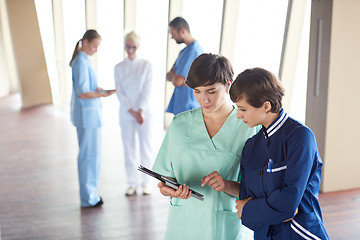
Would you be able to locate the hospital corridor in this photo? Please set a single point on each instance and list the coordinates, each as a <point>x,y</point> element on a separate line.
<point>78,78</point>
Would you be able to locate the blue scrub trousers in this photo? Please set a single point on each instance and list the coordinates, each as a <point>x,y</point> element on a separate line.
<point>89,165</point>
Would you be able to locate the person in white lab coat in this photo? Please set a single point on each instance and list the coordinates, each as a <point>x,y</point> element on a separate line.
<point>133,78</point>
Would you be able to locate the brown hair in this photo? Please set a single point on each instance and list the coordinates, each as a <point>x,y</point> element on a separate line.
<point>208,69</point>
<point>258,85</point>
<point>178,23</point>
<point>89,36</point>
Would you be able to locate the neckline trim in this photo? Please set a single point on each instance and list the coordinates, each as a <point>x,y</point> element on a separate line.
<point>276,125</point>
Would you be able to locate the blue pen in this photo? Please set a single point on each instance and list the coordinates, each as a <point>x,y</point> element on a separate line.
<point>269,164</point>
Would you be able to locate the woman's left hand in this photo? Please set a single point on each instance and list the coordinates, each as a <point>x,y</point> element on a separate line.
<point>296,211</point>
<point>240,205</point>
<point>182,192</point>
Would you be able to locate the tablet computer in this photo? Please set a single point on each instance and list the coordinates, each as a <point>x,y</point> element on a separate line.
<point>169,182</point>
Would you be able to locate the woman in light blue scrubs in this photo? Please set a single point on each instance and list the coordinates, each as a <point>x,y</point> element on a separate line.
<point>86,116</point>
<point>197,143</point>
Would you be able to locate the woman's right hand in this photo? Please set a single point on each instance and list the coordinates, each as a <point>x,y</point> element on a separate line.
<point>138,115</point>
<point>182,192</point>
<point>214,180</point>
<point>107,93</point>
<point>296,212</point>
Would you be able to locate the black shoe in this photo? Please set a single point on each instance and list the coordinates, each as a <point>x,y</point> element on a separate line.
<point>96,205</point>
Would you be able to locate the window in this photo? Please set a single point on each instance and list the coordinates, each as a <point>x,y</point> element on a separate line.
<point>74,29</point>
<point>111,51</point>
<point>153,29</point>
<point>298,98</point>
<point>259,37</point>
<point>110,24</point>
<point>45,19</point>
<point>205,25</point>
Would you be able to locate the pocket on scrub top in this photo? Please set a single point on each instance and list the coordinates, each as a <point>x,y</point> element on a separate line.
<point>229,227</point>
<point>175,223</point>
<point>306,226</point>
<point>275,176</point>
<point>91,117</point>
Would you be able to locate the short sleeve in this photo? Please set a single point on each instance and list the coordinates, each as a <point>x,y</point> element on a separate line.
<point>163,161</point>
<point>80,72</point>
<point>183,64</point>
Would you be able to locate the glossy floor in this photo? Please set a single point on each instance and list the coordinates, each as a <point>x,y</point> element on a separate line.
<point>39,190</point>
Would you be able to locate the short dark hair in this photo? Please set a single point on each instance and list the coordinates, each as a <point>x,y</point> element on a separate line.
<point>208,69</point>
<point>258,85</point>
<point>179,23</point>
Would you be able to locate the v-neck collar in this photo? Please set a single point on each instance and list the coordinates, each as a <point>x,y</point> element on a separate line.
<point>213,140</point>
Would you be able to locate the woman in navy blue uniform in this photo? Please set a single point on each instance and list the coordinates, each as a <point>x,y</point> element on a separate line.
<point>280,166</point>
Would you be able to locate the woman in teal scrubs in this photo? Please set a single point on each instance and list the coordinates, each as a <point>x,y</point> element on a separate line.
<point>197,143</point>
<point>86,117</point>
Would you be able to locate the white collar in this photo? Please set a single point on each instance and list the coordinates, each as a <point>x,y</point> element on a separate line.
<point>276,125</point>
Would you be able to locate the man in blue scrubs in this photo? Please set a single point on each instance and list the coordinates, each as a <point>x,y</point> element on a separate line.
<point>183,97</point>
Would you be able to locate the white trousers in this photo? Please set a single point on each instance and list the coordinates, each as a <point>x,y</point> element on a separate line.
<point>129,129</point>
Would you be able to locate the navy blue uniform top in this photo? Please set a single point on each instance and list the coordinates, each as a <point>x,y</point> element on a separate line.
<point>281,171</point>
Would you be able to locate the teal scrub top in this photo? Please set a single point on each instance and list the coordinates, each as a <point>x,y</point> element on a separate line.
<point>85,113</point>
<point>188,154</point>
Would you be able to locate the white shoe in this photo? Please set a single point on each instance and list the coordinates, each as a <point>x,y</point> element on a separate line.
<point>130,191</point>
<point>147,190</point>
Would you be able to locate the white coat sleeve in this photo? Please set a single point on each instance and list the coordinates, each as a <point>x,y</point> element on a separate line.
<point>123,99</point>
<point>145,92</point>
